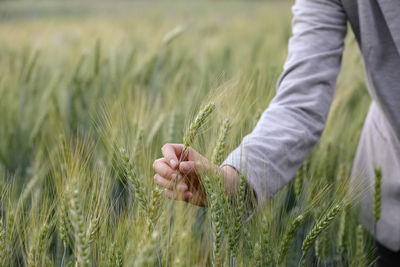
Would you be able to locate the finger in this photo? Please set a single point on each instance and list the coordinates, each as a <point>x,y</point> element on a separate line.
<point>190,167</point>
<point>178,195</point>
<point>171,152</point>
<point>162,167</point>
<point>169,184</point>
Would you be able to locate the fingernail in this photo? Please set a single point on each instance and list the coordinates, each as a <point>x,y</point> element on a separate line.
<point>172,162</point>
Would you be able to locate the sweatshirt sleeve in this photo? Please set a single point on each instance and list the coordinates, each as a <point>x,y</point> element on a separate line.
<point>295,119</point>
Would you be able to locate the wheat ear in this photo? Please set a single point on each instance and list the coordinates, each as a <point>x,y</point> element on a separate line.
<point>93,229</point>
<point>321,246</point>
<point>78,223</point>
<point>266,255</point>
<point>360,244</point>
<point>118,257</point>
<point>319,227</point>
<point>154,208</point>
<point>219,149</point>
<point>216,221</point>
<point>284,246</point>
<point>65,227</point>
<point>2,243</point>
<point>42,240</point>
<point>197,123</point>
<point>377,194</point>
<point>257,255</point>
<point>235,232</point>
<point>133,180</point>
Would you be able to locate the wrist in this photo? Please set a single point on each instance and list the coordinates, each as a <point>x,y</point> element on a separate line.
<point>230,179</point>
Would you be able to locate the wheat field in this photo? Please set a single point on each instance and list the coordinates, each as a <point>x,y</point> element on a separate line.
<point>89,93</point>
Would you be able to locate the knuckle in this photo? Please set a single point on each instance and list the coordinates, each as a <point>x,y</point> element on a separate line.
<point>157,179</point>
<point>192,166</point>
<point>164,147</point>
<point>190,150</point>
<point>157,162</point>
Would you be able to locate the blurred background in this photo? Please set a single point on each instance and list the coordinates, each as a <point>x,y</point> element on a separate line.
<point>81,79</point>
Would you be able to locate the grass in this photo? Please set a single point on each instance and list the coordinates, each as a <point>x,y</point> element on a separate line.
<point>79,81</point>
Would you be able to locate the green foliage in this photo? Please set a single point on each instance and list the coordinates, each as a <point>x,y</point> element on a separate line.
<point>77,86</point>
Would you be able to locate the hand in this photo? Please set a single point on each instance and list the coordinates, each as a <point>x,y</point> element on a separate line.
<point>189,187</point>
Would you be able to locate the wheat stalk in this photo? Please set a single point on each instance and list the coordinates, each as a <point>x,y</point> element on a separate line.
<point>341,244</point>
<point>299,181</point>
<point>172,128</point>
<point>146,256</point>
<point>32,256</point>
<point>112,255</point>
<point>139,140</point>
<point>187,141</point>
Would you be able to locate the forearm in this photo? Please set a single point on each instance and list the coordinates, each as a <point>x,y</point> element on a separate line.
<point>288,130</point>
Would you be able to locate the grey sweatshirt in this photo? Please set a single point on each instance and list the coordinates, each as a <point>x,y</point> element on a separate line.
<point>295,119</point>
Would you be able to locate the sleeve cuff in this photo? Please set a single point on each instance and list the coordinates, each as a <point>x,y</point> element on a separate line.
<point>261,179</point>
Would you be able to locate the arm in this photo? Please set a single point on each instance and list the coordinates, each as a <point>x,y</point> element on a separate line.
<point>293,123</point>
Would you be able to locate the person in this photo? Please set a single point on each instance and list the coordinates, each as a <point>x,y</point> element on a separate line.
<point>294,121</point>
